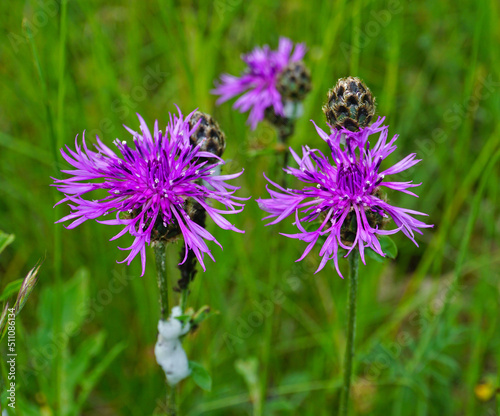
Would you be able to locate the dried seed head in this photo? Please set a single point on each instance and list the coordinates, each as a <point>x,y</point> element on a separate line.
<point>350,104</point>
<point>294,81</point>
<point>208,133</point>
<point>27,287</point>
<point>3,320</point>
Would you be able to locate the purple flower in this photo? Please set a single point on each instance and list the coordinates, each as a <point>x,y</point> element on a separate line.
<point>259,81</point>
<point>149,186</point>
<point>343,202</point>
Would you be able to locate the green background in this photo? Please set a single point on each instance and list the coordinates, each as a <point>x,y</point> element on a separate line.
<point>276,346</point>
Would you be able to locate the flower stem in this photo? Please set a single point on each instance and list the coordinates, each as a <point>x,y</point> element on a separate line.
<point>171,401</point>
<point>184,296</point>
<point>351,328</point>
<point>161,272</point>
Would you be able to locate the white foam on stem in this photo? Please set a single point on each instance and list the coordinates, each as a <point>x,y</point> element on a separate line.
<point>168,349</point>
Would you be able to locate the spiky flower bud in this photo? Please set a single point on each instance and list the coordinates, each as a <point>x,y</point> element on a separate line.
<point>294,81</point>
<point>208,132</point>
<point>350,104</point>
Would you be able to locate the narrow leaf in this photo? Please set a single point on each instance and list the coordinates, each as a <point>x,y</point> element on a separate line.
<point>5,240</point>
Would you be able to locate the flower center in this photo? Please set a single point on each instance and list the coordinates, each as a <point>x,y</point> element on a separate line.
<point>350,180</point>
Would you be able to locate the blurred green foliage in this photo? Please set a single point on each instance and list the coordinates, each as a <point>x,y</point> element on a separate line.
<point>276,346</point>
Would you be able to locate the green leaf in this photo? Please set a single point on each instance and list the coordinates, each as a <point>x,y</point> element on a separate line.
<point>5,240</point>
<point>374,256</point>
<point>203,313</point>
<point>389,247</point>
<point>183,318</point>
<point>200,376</point>
<point>10,289</point>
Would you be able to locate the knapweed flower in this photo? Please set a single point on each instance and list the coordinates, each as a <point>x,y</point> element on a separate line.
<point>343,200</point>
<point>270,80</point>
<point>152,188</point>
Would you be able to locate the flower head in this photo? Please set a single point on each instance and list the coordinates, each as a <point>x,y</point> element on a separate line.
<point>343,200</point>
<point>152,188</point>
<point>259,83</point>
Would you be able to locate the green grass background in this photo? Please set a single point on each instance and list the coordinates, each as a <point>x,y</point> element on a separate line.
<point>276,346</point>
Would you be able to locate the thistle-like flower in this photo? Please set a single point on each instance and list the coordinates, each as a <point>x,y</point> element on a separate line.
<point>343,200</point>
<point>272,79</point>
<point>153,189</point>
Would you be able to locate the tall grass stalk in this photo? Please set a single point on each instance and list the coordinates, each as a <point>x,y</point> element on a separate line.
<point>58,305</point>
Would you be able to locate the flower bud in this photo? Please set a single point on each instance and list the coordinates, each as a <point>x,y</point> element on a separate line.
<point>294,81</point>
<point>350,105</point>
<point>208,133</point>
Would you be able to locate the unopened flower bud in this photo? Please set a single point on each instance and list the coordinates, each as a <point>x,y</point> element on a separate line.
<point>294,81</point>
<point>350,104</point>
<point>208,133</point>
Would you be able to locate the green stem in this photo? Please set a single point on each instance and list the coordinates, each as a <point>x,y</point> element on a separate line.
<point>161,273</point>
<point>184,296</point>
<point>171,401</point>
<point>61,385</point>
<point>351,328</point>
